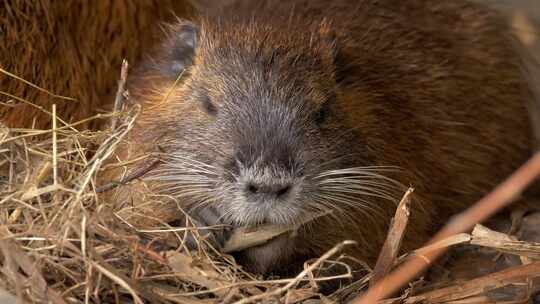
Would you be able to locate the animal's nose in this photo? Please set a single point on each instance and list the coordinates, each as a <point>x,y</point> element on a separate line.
<point>277,190</point>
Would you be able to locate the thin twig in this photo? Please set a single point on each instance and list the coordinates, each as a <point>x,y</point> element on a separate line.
<point>479,285</point>
<point>31,104</point>
<point>36,86</point>
<point>55,146</point>
<point>133,175</point>
<point>66,126</point>
<point>118,101</point>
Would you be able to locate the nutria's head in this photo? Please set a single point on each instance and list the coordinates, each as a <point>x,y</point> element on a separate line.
<point>251,122</point>
<point>267,113</point>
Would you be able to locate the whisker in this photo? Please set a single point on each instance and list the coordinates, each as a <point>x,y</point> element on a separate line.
<point>186,184</point>
<point>177,156</point>
<point>378,189</point>
<point>356,202</point>
<point>359,171</point>
<point>362,183</point>
<point>380,194</point>
<point>188,193</point>
<point>334,208</point>
<point>362,180</point>
<point>352,202</point>
<point>202,204</point>
<point>180,168</point>
<point>368,213</point>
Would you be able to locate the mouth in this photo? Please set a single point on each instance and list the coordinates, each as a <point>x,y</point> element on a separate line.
<point>274,218</point>
<point>255,215</point>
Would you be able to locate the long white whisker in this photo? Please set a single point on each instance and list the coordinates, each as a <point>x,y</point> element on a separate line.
<point>177,156</point>
<point>378,189</point>
<point>352,202</point>
<point>371,170</point>
<point>381,194</point>
<point>182,169</point>
<point>186,184</point>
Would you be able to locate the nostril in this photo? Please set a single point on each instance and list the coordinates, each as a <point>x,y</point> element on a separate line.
<point>284,190</point>
<point>251,188</point>
<point>267,191</point>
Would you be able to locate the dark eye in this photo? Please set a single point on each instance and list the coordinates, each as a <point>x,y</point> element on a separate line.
<point>322,114</point>
<point>208,106</point>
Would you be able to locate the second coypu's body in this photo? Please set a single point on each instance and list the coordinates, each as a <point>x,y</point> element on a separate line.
<point>74,49</point>
<point>284,110</point>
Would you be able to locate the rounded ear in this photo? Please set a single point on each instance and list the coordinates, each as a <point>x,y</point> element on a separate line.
<point>185,37</point>
<point>329,37</point>
<point>337,52</point>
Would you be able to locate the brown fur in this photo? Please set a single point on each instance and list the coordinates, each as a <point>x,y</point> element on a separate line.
<point>74,49</point>
<point>432,87</point>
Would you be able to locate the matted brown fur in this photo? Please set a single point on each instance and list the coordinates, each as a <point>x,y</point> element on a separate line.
<point>74,49</point>
<point>432,87</point>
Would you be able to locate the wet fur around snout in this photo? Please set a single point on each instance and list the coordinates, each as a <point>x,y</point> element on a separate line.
<point>269,112</point>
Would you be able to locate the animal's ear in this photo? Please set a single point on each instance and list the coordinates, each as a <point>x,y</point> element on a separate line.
<point>329,38</point>
<point>185,38</point>
<point>336,51</point>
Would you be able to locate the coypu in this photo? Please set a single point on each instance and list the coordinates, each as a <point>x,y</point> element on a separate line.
<point>270,111</point>
<point>74,49</point>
